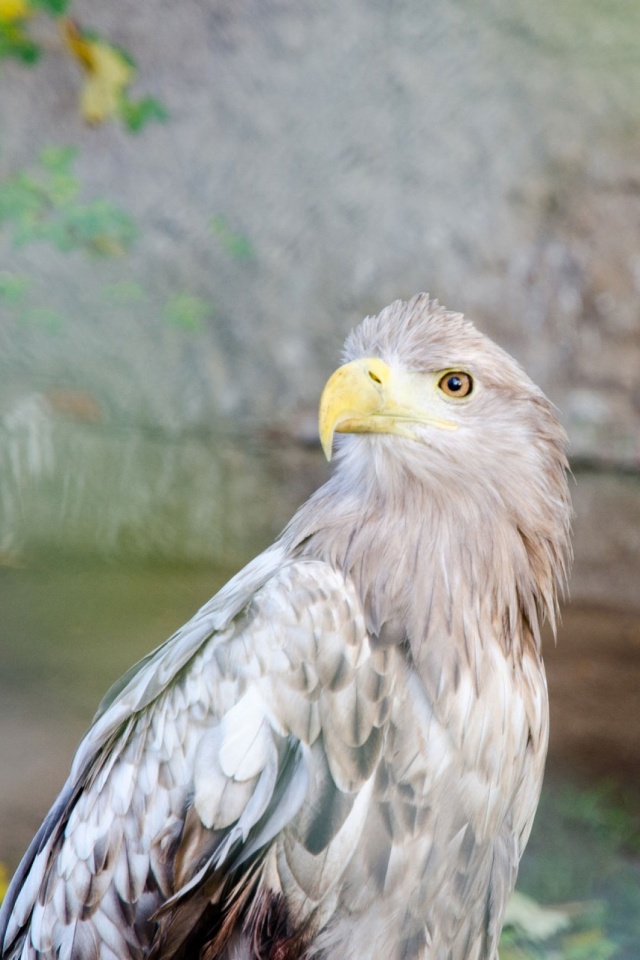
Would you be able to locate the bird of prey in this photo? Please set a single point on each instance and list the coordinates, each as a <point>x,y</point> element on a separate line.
<point>340,755</point>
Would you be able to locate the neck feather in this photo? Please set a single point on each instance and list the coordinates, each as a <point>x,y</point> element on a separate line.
<point>433,566</point>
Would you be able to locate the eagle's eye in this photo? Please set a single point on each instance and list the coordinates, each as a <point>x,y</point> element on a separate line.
<point>456,384</point>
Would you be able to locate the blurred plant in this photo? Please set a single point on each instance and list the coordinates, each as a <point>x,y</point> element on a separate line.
<point>235,244</point>
<point>589,944</point>
<point>583,850</point>
<point>611,815</point>
<point>44,317</point>
<point>4,881</point>
<point>14,40</point>
<point>14,296</point>
<point>109,70</point>
<point>42,204</point>
<point>188,312</point>
<point>13,288</point>
<point>567,932</point>
<point>125,291</point>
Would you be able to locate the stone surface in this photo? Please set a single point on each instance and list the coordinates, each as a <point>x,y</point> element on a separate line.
<point>359,152</point>
<point>606,540</point>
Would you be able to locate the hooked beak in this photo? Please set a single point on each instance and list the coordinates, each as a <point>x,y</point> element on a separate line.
<point>367,396</point>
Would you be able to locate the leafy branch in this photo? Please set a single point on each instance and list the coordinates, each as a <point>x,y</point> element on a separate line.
<point>108,70</point>
<point>42,204</point>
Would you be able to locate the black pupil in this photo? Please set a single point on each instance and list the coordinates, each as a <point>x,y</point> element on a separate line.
<point>454,384</point>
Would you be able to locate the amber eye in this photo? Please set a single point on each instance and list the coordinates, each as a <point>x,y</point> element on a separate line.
<point>456,384</point>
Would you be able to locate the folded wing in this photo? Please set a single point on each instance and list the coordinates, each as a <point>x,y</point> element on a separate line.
<point>229,773</point>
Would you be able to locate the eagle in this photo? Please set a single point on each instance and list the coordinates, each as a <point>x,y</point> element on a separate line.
<point>340,756</point>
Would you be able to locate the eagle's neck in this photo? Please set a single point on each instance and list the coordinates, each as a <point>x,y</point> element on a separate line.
<point>434,567</point>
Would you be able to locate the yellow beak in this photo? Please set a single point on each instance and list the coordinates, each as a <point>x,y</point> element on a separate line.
<point>366,396</point>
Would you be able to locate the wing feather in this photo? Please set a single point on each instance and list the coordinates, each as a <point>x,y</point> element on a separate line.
<point>220,722</point>
<point>269,749</point>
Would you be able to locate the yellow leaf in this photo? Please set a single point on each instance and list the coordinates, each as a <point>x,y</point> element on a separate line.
<point>107,246</point>
<point>11,10</point>
<point>4,881</point>
<point>108,74</point>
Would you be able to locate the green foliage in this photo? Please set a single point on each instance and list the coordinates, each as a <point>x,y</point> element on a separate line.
<point>42,204</point>
<point>54,7</point>
<point>579,854</point>
<point>43,317</point>
<point>610,815</point>
<point>108,69</point>
<point>586,940</point>
<point>14,42</point>
<point>15,300</point>
<point>588,945</point>
<point>236,244</point>
<point>126,291</point>
<point>13,288</point>
<point>99,226</point>
<point>137,113</point>
<point>187,312</point>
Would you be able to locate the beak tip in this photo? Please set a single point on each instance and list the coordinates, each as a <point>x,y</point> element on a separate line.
<point>327,446</point>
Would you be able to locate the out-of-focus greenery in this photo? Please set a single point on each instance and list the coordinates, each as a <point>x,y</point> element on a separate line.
<point>584,940</point>
<point>236,244</point>
<point>583,859</point>
<point>188,312</point>
<point>108,69</point>
<point>14,298</point>
<point>13,288</point>
<point>21,298</point>
<point>610,813</point>
<point>43,203</point>
<point>137,113</point>
<point>15,43</point>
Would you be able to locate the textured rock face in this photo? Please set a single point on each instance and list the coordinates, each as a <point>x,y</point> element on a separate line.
<point>353,153</point>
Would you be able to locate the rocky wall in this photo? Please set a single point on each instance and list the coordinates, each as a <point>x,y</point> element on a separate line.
<point>319,161</point>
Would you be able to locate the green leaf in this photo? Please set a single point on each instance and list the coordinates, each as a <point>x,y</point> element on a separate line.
<point>19,199</point>
<point>54,7</point>
<point>14,42</point>
<point>588,945</point>
<point>187,312</point>
<point>43,317</point>
<point>127,291</point>
<point>99,221</point>
<point>42,205</point>
<point>58,159</point>
<point>13,287</point>
<point>606,811</point>
<point>62,189</point>
<point>137,113</point>
<point>237,245</point>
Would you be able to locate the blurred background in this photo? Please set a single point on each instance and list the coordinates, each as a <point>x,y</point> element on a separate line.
<point>197,202</point>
